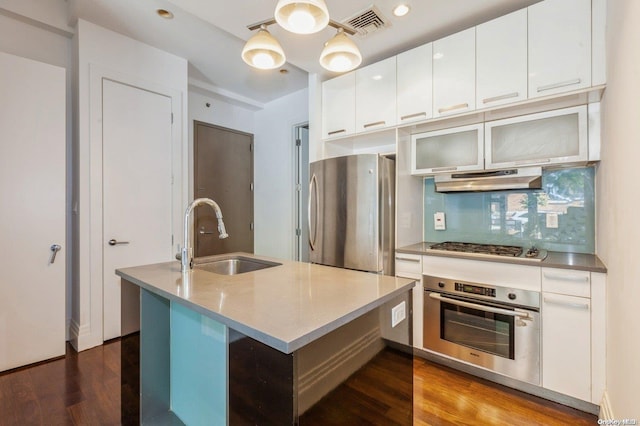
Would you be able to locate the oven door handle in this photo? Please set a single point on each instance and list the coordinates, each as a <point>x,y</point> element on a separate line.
<point>508,312</point>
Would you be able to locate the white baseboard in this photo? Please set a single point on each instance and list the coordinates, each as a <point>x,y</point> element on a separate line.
<point>80,336</point>
<point>606,412</point>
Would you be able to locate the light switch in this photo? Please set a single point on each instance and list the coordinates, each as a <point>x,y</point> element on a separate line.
<point>438,221</point>
<point>552,220</point>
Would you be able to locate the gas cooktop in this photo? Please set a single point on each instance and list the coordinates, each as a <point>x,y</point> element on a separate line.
<point>489,250</point>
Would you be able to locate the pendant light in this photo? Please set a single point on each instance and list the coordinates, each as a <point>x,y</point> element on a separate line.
<point>302,16</point>
<point>340,54</point>
<point>263,51</point>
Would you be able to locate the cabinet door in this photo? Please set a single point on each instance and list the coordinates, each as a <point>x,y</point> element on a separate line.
<point>339,106</point>
<point>566,345</point>
<point>415,84</point>
<point>501,60</point>
<point>457,149</point>
<point>555,137</point>
<point>559,46</point>
<point>376,96</point>
<point>454,73</point>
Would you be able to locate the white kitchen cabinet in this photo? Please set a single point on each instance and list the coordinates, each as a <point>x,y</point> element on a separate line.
<point>456,149</point>
<point>569,282</point>
<point>454,73</point>
<point>566,332</point>
<point>410,266</point>
<point>501,60</point>
<point>376,96</point>
<point>559,46</point>
<point>553,137</point>
<point>414,85</point>
<point>339,106</point>
<point>566,345</point>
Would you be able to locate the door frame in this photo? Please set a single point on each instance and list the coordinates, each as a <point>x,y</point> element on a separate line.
<point>87,281</point>
<point>300,207</point>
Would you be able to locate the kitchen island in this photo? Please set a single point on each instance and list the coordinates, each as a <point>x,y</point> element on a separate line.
<point>259,347</point>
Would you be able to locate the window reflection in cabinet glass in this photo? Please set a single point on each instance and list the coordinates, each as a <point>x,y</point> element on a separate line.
<point>551,137</point>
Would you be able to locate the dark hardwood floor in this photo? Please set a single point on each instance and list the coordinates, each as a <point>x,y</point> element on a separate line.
<point>84,389</point>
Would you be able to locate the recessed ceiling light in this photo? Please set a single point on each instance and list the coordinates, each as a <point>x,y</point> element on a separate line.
<point>164,13</point>
<point>401,10</point>
<point>284,71</point>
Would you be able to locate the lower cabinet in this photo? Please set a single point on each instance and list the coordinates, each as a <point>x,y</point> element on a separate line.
<point>566,344</point>
<point>410,266</point>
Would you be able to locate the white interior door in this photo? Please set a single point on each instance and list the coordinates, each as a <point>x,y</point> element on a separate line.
<point>32,213</point>
<point>137,193</point>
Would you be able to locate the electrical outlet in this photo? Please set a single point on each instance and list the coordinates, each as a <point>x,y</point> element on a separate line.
<point>398,313</point>
<point>552,220</point>
<point>438,221</point>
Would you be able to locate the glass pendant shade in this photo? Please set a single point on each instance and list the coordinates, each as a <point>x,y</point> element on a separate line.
<point>263,51</point>
<point>340,54</point>
<point>302,16</point>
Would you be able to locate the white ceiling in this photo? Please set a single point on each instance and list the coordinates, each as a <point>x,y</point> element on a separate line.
<point>210,34</point>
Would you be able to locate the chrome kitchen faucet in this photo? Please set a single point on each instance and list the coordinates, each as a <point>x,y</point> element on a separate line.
<point>186,257</point>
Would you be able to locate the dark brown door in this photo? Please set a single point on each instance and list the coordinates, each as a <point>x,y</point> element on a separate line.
<point>223,171</point>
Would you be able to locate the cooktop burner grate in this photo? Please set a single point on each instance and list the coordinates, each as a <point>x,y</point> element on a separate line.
<point>491,249</point>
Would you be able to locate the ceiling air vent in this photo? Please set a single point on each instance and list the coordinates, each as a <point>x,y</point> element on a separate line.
<point>367,21</point>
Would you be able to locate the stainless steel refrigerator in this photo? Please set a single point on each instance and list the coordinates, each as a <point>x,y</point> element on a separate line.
<point>352,212</point>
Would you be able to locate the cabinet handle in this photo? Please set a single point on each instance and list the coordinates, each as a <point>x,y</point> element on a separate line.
<point>377,123</point>
<point>563,303</point>
<point>501,97</point>
<point>417,114</point>
<point>407,259</point>
<point>566,278</point>
<point>444,169</point>
<point>525,162</point>
<point>335,132</point>
<point>558,85</point>
<point>453,107</point>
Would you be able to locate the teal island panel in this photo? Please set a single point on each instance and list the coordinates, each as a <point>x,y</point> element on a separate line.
<point>198,367</point>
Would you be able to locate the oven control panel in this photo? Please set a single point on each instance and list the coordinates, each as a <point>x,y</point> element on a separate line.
<point>475,289</point>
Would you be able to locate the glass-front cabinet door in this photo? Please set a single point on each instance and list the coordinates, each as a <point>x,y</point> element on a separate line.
<point>456,149</point>
<point>553,137</point>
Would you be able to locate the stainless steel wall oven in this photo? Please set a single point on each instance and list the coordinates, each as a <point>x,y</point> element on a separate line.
<point>497,328</point>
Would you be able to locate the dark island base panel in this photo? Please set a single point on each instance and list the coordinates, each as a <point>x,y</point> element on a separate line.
<point>261,383</point>
<point>130,379</point>
<point>261,388</point>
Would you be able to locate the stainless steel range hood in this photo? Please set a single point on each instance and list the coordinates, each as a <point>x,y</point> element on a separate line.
<point>496,180</point>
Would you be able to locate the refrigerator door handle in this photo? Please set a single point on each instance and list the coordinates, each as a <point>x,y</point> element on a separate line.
<point>313,183</point>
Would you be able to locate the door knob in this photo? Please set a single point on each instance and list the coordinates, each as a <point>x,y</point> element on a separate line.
<point>113,242</point>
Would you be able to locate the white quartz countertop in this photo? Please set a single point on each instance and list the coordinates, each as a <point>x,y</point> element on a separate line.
<point>285,306</point>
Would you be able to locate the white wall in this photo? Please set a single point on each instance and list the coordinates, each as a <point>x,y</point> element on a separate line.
<point>101,52</point>
<point>618,227</point>
<point>274,173</point>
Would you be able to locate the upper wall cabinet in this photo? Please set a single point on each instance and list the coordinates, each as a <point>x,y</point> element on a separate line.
<point>501,60</point>
<point>552,137</point>
<point>339,106</point>
<point>415,84</point>
<point>454,73</point>
<point>458,149</point>
<point>559,46</point>
<point>376,96</point>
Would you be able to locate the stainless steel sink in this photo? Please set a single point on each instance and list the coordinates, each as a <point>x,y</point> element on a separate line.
<point>232,265</point>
